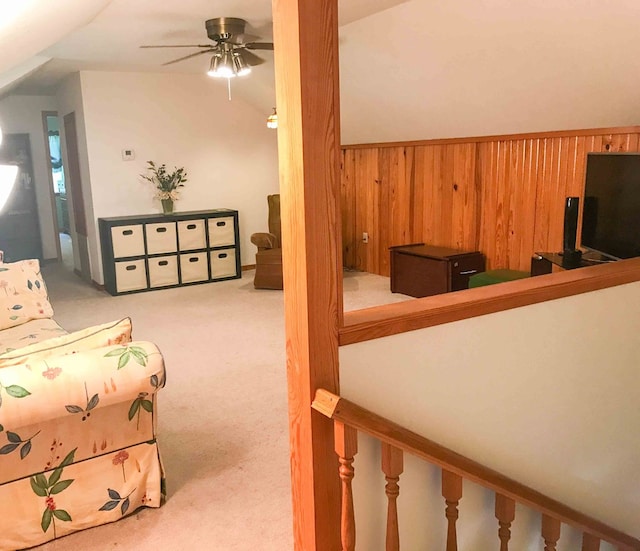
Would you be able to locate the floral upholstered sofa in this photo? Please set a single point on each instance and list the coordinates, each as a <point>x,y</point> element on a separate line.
<point>77,418</point>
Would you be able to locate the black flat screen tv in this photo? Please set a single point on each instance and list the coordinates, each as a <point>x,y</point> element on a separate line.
<point>611,211</point>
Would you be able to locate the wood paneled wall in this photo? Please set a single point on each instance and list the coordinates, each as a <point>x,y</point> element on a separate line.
<point>502,195</point>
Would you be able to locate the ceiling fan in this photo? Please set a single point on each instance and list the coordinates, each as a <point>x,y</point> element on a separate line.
<point>231,56</point>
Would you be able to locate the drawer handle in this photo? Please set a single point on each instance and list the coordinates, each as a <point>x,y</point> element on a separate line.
<point>127,232</point>
<point>161,230</point>
<point>222,255</point>
<point>131,268</point>
<point>191,226</point>
<point>194,259</point>
<point>219,224</point>
<point>163,263</point>
<point>467,272</point>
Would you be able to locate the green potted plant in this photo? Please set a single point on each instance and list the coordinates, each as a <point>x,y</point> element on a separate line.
<point>166,183</point>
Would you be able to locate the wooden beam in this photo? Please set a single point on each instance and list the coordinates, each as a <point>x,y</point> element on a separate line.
<point>307,96</point>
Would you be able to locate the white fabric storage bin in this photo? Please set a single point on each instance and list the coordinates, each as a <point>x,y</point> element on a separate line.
<point>223,263</point>
<point>221,231</point>
<point>191,235</point>
<point>193,267</point>
<point>127,241</point>
<point>163,271</point>
<point>161,238</point>
<point>131,275</point>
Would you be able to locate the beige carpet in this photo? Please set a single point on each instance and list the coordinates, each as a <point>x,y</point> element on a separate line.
<point>222,416</point>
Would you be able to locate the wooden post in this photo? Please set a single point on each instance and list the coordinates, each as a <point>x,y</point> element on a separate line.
<point>307,97</point>
<point>452,493</point>
<point>392,466</point>
<point>346,444</point>
<point>505,513</point>
<point>550,532</point>
<point>590,543</point>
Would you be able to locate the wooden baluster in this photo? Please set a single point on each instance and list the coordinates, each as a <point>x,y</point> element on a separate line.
<point>346,446</point>
<point>392,466</point>
<point>505,513</point>
<point>590,543</point>
<point>550,532</point>
<point>452,493</point>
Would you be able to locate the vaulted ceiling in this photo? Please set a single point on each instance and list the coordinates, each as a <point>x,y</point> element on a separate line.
<point>410,69</point>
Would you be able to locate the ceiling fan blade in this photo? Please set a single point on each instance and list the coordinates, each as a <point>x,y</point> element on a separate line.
<point>259,45</point>
<point>179,46</point>
<point>251,58</point>
<point>190,55</point>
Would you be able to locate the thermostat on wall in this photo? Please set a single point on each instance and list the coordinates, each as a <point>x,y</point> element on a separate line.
<point>128,154</point>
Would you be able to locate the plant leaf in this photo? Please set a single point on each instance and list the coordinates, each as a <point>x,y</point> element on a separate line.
<point>55,476</point>
<point>135,406</point>
<point>124,359</point>
<point>29,285</point>
<point>41,481</point>
<point>37,489</point>
<point>68,459</point>
<point>113,494</point>
<point>24,450</point>
<point>58,487</point>
<point>147,404</point>
<point>153,381</point>
<point>125,506</point>
<point>93,402</point>
<point>61,514</point>
<point>74,409</point>
<point>109,506</point>
<point>16,307</point>
<point>13,437</point>
<point>139,354</point>
<point>8,448</point>
<point>46,519</point>
<point>17,391</point>
<point>1,428</point>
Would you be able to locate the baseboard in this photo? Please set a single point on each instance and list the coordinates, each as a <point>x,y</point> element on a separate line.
<point>97,285</point>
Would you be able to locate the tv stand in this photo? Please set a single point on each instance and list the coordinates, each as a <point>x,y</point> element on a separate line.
<point>542,263</point>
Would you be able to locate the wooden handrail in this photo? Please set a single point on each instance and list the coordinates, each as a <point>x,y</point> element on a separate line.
<point>352,415</point>
<point>390,319</point>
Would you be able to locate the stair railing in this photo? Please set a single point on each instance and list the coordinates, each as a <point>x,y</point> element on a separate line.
<point>350,418</point>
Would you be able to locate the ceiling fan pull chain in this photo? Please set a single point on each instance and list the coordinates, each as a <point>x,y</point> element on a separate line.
<point>229,88</point>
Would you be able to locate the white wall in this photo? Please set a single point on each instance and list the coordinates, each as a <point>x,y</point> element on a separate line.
<point>546,394</point>
<point>182,120</point>
<point>452,69</point>
<point>23,115</point>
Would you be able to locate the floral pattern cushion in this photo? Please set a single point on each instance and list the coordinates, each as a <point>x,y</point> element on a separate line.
<point>115,332</point>
<point>28,333</point>
<point>23,294</point>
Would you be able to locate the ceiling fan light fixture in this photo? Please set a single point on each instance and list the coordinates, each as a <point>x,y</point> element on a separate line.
<point>213,67</point>
<point>222,66</point>
<point>240,65</point>
<point>272,120</point>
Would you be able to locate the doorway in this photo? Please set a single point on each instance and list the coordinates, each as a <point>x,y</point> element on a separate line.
<point>61,208</point>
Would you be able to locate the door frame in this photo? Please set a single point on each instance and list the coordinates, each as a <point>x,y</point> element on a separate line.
<point>52,197</point>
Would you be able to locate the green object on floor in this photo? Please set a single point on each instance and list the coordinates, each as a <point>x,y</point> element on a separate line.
<point>495,276</point>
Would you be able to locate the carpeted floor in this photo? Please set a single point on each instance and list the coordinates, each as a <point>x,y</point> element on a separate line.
<point>223,429</point>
